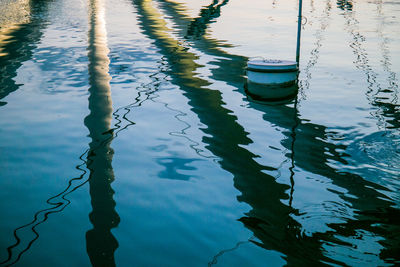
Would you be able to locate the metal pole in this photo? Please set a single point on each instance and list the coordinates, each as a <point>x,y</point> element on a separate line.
<point>299,32</point>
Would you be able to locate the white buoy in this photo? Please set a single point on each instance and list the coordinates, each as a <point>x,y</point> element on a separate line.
<point>272,79</point>
<point>272,72</point>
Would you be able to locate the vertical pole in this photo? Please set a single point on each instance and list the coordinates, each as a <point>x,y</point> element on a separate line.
<point>300,18</point>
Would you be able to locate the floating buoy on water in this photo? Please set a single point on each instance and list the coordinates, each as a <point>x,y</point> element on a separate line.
<point>274,80</point>
<point>271,79</point>
<point>273,72</point>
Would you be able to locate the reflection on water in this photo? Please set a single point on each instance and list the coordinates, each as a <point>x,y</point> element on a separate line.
<point>99,154</point>
<point>209,13</point>
<point>379,96</point>
<point>345,5</point>
<point>14,12</point>
<point>265,221</point>
<point>17,44</point>
<point>269,219</point>
<point>367,201</point>
<point>100,242</point>
<point>314,55</point>
<point>320,194</point>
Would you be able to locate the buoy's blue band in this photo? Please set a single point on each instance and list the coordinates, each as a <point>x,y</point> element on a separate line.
<point>272,70</point>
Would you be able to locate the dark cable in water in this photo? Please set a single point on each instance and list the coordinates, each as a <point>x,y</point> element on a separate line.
<point>60,206</point>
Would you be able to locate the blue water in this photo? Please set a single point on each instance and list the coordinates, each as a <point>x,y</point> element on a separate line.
<point>127,138</point>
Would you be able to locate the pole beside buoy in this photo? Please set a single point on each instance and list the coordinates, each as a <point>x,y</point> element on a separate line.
<point>299,21</point>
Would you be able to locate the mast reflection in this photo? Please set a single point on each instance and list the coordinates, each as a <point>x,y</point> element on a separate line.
<point>209,13</point>
<point>271,221</point>
<point>100,242</point>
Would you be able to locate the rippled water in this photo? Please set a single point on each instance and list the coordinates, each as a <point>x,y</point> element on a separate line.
<point>126,136</point>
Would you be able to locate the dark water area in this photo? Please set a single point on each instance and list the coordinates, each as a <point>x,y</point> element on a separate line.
<point>127,137</point>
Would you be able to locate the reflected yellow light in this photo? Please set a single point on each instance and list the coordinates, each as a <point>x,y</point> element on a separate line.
<point>100,103</point>
<point>163,34</point>
<point>5,37</point>
<point>14,12</point>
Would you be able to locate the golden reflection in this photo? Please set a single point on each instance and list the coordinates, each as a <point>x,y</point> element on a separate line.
<point>5,37</point>
<point>14,12</point>
<point>162,33</point>
<point>100,102</point>
<point>229,65</point>
<point>179,14</point>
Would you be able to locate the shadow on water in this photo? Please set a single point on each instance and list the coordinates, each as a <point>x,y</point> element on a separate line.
<point>209,13</point>
<point>271,221</point>
<point>18,44</point>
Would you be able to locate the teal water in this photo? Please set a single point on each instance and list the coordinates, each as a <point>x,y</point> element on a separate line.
<point>127,138</point>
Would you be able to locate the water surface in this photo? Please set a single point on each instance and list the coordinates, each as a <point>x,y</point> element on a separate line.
<point>127,138</point>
